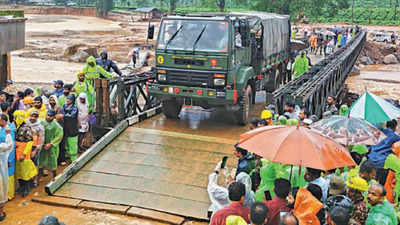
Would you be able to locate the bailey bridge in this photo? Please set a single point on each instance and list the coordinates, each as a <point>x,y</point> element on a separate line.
<point>158,168</point>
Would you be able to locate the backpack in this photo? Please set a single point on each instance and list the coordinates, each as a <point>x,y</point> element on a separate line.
<point>24,133</point>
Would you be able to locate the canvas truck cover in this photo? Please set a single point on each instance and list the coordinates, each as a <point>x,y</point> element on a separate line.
<point>276,31</point>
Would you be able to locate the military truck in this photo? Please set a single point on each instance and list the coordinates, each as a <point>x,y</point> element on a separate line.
<point>219,60</point>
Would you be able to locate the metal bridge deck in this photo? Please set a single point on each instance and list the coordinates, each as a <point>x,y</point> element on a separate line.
<point>160,170</point>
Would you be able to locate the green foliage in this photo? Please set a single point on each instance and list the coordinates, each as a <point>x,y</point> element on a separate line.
<point>14,13</point>
<point>373,16</point>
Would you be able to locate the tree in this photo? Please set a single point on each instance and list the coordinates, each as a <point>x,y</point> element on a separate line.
<point>172,6</point>
<point>103,7</point>
<point>221,5</point>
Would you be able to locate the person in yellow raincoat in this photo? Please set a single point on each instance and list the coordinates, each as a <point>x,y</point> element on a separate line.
<point>25,169</point>
<point>93,71</point>
<point>38,106</point>
<point>83,86</point>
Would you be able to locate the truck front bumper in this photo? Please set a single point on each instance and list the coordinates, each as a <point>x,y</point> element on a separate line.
<point>181,93</point>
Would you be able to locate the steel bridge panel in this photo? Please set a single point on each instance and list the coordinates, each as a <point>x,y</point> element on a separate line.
<point>159,170</point>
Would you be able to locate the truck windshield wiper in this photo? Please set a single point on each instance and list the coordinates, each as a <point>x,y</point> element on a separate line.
<point>172,38</point>
<point>198,38</point>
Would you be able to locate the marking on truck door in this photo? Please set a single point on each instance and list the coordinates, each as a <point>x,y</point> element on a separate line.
<point>160,59</point>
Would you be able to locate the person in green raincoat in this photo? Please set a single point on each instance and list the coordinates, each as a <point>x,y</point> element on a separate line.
<point>268,173</point>
<point>382,212</point>
<point>94,71</point>
<point>82,85</point>
<point>53,137</point>
<point>300,65</point>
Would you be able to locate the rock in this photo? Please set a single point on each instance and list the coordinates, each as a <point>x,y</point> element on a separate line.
<point>355,71</point>
<point>388,49</point>
<point>390,59</point>
<point>73,49</point>
<point>91,51</point>
<point>366,60</point>
<point>80,56</point>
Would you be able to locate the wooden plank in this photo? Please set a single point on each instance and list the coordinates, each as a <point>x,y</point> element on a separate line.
<point>165,158</point>
<point>85,157</point>
<point>182,135</point>
<point>57,201</point>
<point>175,142</point>
<point>162,203</point>
<point>143,184</point>
<point>156,216</point>
<point>111,208</point>
<point>150,172</point>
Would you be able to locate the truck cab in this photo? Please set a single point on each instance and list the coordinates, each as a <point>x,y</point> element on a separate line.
<point>207,61</point>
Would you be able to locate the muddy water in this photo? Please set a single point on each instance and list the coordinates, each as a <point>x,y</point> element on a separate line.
<point>208,122</point>
<point>382,80</point>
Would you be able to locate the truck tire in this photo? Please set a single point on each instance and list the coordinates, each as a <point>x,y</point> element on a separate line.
<point>171,109</point>
<point>243,114</point>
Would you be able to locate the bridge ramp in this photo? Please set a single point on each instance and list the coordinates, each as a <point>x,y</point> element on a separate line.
<point>159,170</point>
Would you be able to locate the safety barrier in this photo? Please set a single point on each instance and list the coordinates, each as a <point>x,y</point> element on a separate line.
<point>123,98</point>
<point>324,79</point>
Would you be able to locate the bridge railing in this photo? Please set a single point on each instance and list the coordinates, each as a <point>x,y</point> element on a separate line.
<point>125,97</point>
<point>324,79</point>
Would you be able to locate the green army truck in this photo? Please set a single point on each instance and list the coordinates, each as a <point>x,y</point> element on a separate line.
<point>219,60</point>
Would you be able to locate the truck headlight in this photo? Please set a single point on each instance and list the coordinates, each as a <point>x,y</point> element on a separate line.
<point>162,77</point>
<point>219,82</point>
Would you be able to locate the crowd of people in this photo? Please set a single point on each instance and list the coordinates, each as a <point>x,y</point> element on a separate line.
<point>260,192</point>
<point>322,42</point>
<point>42,130</point>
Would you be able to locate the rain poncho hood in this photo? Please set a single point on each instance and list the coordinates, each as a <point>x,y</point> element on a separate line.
<point>382,214</point>
<point>343,110</point>
<point>235,220</point>
<point>91,59</point>
<point>306,207</point>
<point>282,120</point>
<point>104,52</point>
<point>245,179</point>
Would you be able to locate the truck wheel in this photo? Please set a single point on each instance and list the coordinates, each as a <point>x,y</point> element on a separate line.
<point>243,114</point>
<point>171,109</point>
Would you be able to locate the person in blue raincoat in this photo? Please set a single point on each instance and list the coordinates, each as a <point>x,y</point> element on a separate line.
<point>11,159</point>
<point>5,149</point>
<point>378,153</point>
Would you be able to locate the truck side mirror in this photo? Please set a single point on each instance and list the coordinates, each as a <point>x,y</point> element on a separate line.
<point>150,32</point>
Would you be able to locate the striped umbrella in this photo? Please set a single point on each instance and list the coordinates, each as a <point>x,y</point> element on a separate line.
<point>374,109</point>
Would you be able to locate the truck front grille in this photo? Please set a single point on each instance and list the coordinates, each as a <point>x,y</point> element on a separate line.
<point>190,78</point>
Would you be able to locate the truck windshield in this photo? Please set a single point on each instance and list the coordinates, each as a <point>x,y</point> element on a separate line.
<point>210,36</point>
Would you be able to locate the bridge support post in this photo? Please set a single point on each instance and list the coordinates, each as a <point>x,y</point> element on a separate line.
<point>121,100</point>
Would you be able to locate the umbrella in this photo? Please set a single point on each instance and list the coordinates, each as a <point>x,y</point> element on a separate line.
<point>296,146</point>
<point>374,109</point>
<point>349,130</point>
<point>328,33</point>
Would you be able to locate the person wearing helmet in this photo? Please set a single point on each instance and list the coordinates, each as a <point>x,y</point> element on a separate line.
<point>355,188</point>
<point>266,118</point>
